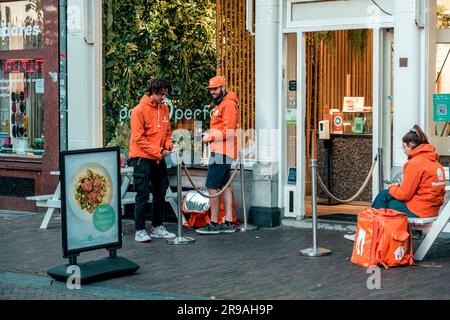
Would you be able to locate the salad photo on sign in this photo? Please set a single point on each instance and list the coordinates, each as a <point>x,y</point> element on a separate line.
<point>92,186</point>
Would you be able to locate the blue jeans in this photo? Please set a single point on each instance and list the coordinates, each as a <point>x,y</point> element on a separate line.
<point>385,200</point>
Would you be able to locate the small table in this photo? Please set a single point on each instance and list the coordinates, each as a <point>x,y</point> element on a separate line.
<point>53,201</point>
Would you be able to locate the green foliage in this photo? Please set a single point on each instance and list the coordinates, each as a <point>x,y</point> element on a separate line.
<point>326,36</point>
<point>121,136</point>
<point>443,19</point>
<point>145,39</point>
<point>358,40</point>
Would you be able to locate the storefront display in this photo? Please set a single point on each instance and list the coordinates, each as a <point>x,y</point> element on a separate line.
<point>29,101</point>
<point>351,122</point>
<point>358,122</point>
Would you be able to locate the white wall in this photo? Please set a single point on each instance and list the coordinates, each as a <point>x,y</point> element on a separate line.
<point>407,80</point>
<point>266,75</point>
<point>338,14</point>
<point>84,47</point>
<point>338,10</point>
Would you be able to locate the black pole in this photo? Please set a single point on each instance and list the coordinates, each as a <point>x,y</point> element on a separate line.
<point>330,145</point>
<point>380,169</point>
<point>63,123</point>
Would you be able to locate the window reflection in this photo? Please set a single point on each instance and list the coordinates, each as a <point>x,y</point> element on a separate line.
<point>440,132</point>
<point>21,25</point>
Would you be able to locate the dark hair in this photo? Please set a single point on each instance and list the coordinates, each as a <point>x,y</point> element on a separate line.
<point>157,85</point>
<point>415,136</point>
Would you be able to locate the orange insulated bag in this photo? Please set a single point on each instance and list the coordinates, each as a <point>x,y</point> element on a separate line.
<point>383,237</point>
<point>199,211</point>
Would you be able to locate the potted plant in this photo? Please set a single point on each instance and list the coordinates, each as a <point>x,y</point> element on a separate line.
<point>121,139</point>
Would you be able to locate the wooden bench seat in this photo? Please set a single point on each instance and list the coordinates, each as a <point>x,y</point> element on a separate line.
<point>422,221</point>
<point>40,198</point>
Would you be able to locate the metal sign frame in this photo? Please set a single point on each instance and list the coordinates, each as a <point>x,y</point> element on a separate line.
<point>67,253</point>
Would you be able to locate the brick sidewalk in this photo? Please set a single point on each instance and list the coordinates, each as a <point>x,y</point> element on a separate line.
<point>17,286</point>
<point>262,264</point>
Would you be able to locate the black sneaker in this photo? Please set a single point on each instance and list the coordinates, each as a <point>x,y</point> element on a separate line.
<point>225,228</point>
<point>208,229</point>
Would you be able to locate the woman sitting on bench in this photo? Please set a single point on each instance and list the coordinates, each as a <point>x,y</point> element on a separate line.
<point>422,191</point>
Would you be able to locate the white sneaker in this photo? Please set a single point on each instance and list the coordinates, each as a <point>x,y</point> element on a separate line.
<point>160,232</point>
<point>142,236</point>
<point>350,237</point>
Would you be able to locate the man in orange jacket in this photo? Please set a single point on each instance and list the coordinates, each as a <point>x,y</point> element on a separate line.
<point>223,139</point>
<point>150,142</point>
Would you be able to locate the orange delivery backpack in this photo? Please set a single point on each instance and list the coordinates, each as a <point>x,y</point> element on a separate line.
<point>383,237</point>
<point>198,209</point>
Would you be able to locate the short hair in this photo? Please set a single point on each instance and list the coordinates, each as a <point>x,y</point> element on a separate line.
<point>157,85</point>
<point>415,136</point>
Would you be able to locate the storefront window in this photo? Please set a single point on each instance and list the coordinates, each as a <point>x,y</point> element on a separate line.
<point>22,107</point>
<point>440,131</point>
<point>21,25</point>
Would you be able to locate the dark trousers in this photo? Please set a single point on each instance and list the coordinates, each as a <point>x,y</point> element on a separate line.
<point>149,176</point>
<point>385,200</point>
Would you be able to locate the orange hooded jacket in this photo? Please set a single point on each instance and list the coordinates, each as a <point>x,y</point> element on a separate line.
<point>150,129</point>
<point>224,125</point>
<point>423,186</point>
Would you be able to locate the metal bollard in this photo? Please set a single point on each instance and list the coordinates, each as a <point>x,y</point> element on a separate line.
<point>180,239</point>
<point>380,169</point>
<point>315,251</point>
<point>246,226</point>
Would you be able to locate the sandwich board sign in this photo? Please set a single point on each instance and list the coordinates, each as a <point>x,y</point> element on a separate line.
<point>91,213</point>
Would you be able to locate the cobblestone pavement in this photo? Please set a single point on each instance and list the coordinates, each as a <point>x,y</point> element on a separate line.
<point>262,264</point>
<point>15,286</point>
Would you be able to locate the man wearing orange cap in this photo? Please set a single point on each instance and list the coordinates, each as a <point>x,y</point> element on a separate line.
<point>222,136</point>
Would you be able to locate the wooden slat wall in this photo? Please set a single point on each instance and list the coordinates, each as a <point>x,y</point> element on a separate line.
<point>328,64</point>
<point>236,56</point>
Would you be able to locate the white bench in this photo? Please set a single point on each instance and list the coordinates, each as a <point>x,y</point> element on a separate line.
<point>434,226</point>
<point>53,201</point>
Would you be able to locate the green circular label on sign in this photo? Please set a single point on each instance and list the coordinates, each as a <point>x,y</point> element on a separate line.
<point>104,217</point>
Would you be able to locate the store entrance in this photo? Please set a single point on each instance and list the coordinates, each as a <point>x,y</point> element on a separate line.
<point>348,116</point>
<point>339,117</point>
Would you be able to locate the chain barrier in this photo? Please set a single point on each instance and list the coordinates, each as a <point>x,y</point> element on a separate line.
<point>358,193</point>
<point>197,189</point>
<point>239,165</point>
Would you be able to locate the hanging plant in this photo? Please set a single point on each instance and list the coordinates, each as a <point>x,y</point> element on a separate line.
<point>358,40</point>
<point>443,18</point>
<point>326,37</point>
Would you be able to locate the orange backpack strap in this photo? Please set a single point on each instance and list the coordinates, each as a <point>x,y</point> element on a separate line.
<point>411,258</point>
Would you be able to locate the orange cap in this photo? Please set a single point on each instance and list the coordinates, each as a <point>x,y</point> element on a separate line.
<point>215,82</point>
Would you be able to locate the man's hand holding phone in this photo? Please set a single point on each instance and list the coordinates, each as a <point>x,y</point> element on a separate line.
<point>205,138</point>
